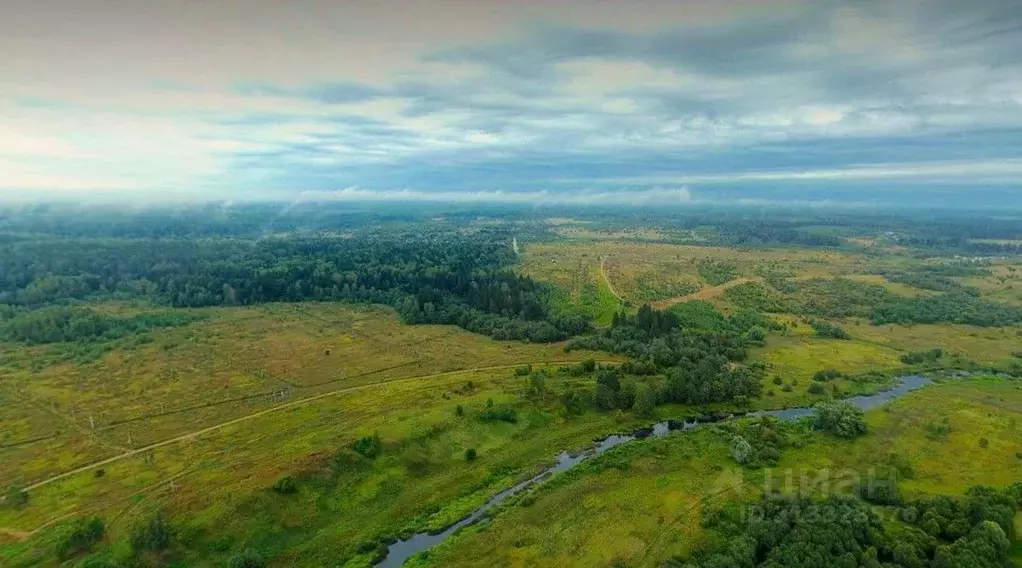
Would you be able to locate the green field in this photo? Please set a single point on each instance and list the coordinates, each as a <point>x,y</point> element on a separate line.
<point>642,504</point>
<point>313,397</point>
<point>209,410</point>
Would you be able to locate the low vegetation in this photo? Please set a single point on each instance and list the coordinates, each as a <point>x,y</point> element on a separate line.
<point>252,389</point>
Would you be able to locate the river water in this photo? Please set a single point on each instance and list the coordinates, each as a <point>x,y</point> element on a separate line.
<point>402,550</point>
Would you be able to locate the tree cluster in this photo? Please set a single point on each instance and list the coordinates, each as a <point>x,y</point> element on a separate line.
<point>927,356</point>
<point>77,324</point>
<point>83,534</point>
<point>826,329</point>
<point>953,307</point>
<point>429,277</point>
<point>698,363</point>
<point>839,418</point>
<point>716,272</point>
<point>761,442</point>
<point>844,531</point>
<point>842,297</point>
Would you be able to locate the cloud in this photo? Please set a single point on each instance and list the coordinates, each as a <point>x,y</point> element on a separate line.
<point>448,96</point>
<point>667,196</point>
<point>1006,171</point>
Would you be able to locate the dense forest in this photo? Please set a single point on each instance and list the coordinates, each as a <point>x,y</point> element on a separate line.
<point>844,531</point>
<point>446,278</point>
<point>948,231</point>
<point>433,265</point>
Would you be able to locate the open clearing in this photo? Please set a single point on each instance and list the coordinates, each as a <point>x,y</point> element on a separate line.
<point>705,294</point>
<point>238,361</point>
<point>202,399</point>
<point>654,272</point>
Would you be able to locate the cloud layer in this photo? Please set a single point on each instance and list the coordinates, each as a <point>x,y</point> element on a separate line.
<point>486,99</point>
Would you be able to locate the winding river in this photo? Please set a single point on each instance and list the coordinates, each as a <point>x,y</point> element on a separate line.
<point>402,550</point>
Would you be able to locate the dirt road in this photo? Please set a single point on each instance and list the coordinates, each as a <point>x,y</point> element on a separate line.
<point>704,294</point>
<point>603,273</point>
<point>247,417</point>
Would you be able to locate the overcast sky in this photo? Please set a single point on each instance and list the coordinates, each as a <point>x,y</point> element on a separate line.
<point>668,100</point>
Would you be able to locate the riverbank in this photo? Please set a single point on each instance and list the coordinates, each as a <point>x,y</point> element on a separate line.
<point>643,503</point>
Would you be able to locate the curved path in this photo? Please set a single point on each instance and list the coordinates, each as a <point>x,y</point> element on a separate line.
<point>15,534</point>
<point>603,273</point>
<point>247,417</point>
<point>704,294</point>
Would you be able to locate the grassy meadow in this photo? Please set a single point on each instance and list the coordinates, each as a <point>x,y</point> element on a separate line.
<point>656,272</point>
<point>583,282</point>
<point>642,504</point>
<point>208,415</point>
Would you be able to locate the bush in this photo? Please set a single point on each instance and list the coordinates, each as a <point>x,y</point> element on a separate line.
<point>499,413</point>
<point>938,430</point>
<point>880,492</point>
<point>902,465</point>
<point>816,388</point>
<point>286,485</point>
<point>574,402</point>
<point>367,546</point>
<point>645,401</point>
<point>522,371</point>
<point>416,458</point>
<point>756,335</point>
<point>840,418</point>
<point>368,446</point>
<point>16,497</point>
<point>154,535</point>
<point>827,375</point>
<point>716,272</point>
<point>470,454</point>
<point>249,558</point>
<point>778,380</point>
<point>917,357</point>
<point>537,383</point>
<point>824,329</point>
<point>741,450</point>
<point>984,443</point>
<point>769,455</point>
<point>83,534</point>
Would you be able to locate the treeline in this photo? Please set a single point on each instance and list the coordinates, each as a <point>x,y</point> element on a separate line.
<point>845,531</point>
<point>734,226</point>
<point>207,220</point>
<point>429,277</point>
<point>750,233</point>
<point>929,281</point>
<point>1012,247</point>
<point>67,324</point>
